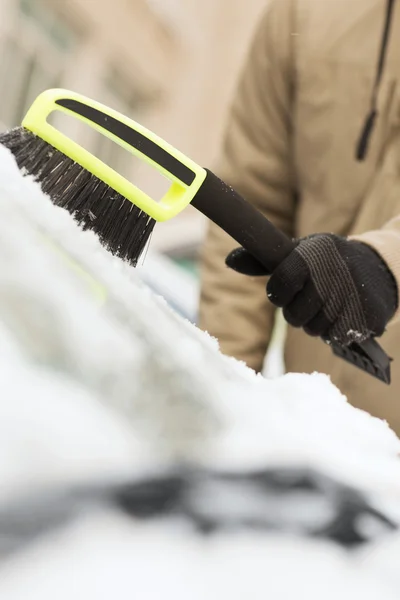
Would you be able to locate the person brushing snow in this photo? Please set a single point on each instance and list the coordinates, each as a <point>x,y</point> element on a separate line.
<point>313,141</point>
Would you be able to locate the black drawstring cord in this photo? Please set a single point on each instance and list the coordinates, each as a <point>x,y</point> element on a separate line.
<point>362,146</point>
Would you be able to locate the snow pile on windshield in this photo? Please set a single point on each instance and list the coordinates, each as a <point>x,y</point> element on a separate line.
<point>137,461</point>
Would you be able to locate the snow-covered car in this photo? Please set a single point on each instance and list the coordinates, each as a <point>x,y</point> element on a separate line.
<point>138,462</point>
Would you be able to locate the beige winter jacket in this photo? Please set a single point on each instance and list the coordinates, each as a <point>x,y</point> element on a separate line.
<point>290,149</point>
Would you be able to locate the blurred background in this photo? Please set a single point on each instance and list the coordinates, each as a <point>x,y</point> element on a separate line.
<point>170,64</point>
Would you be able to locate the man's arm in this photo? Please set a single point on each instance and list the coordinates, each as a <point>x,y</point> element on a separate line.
<point>344,289</point>
<point>386,242</point>
<point>256,161</point>
<point>385,239</point>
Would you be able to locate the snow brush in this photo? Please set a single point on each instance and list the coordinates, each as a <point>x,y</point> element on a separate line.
<point>123,216</point>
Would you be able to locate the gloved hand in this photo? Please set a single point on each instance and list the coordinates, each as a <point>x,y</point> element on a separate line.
<point>334,288</point>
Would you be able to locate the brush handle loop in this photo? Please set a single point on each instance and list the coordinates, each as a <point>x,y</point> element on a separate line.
<point>225,207</point>
<point>185,175</point>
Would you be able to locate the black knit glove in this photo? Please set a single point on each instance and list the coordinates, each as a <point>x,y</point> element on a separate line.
<point>334,288</point>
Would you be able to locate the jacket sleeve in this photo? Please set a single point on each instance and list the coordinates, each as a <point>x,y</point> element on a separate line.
<point>385,239</point>
<point>256,161</point>
<point>386,242</point>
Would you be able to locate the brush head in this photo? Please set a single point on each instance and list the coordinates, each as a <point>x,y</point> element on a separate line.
<point>123,228</point>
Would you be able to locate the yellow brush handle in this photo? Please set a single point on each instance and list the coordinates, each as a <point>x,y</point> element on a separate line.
<point>185,175</point>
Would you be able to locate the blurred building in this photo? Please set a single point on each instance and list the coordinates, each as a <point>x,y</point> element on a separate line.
<point>169,64</point>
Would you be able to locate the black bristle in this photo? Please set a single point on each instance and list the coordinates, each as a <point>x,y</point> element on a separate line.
<point>123,228</point>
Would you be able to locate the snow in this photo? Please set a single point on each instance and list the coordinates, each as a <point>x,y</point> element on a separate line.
<point>119,560</point>
<point>101,382</point>
<point>179,287</point>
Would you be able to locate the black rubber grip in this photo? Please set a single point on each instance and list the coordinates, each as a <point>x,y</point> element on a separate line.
<point>226,208</point>
<point>229,210</point>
